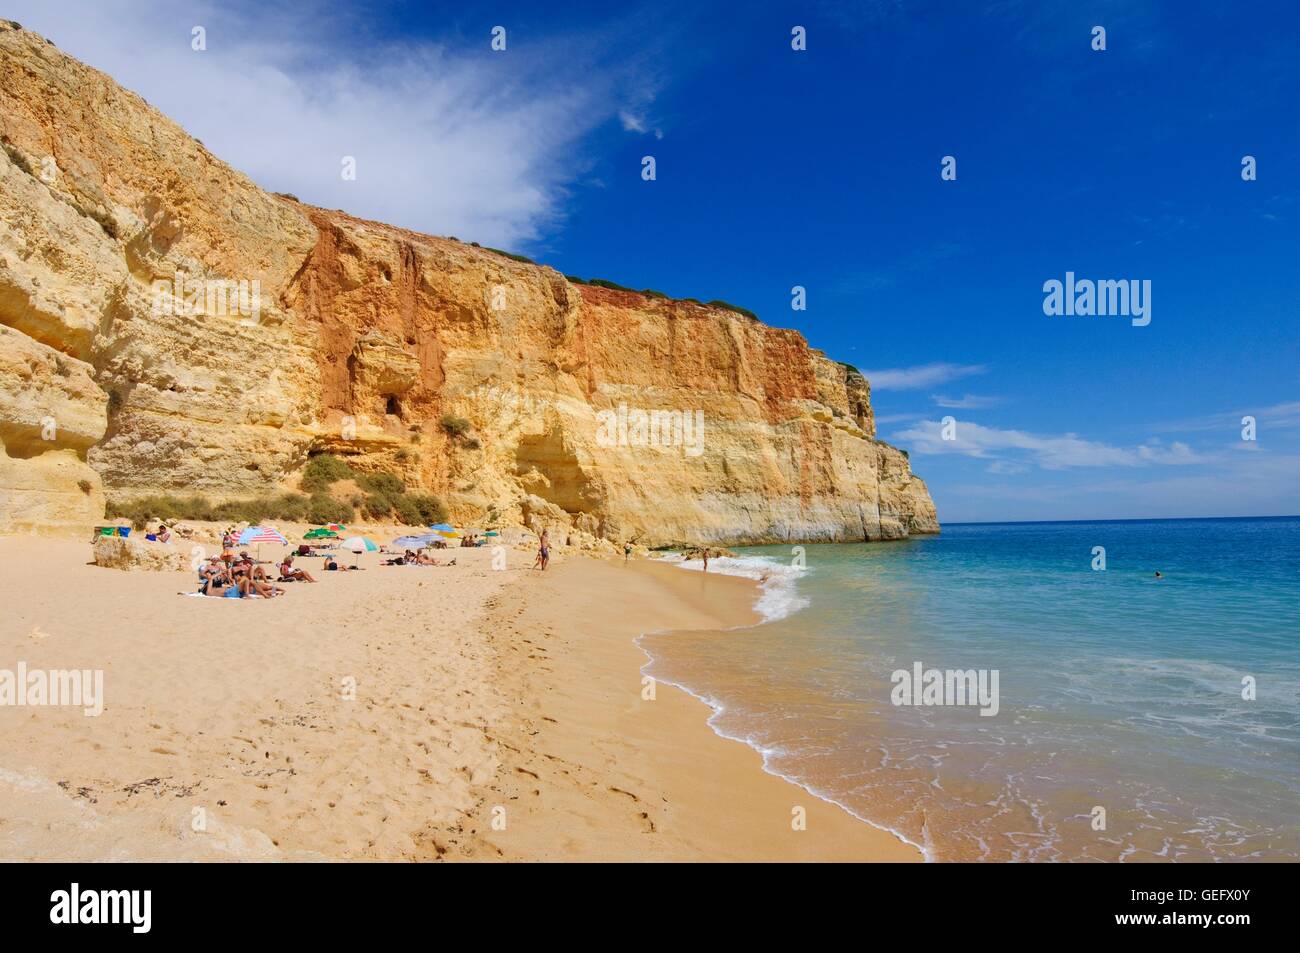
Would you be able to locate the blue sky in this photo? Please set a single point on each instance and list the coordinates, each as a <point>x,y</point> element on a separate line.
<point>821,168</point>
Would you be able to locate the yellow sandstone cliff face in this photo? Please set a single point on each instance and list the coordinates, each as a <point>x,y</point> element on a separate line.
<point>616,414</point>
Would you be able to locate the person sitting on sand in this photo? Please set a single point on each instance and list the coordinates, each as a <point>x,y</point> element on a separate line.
<point>290,574</point>
<point>212,574</point>
<point>164,534</point>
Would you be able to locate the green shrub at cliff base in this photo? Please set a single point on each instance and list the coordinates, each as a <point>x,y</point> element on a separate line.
<point>378,506</point>
<point>407,511</point>
<point>290,507</point>
<point>324,470</point>
<point>429,508</point>
<point>386,499</point>
<point>323,509</point>
<point>386,484</point>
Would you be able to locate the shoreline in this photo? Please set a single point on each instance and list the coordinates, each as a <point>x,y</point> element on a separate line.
<point>497,715</point>
<point>716,798</point>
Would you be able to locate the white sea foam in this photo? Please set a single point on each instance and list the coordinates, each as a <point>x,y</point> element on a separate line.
<point>778,581</point>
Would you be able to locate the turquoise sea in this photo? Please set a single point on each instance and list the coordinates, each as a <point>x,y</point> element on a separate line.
<point>1121,731</point>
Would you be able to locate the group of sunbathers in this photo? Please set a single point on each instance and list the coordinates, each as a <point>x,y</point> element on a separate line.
<point>413,558</point>
<point>237,577</point>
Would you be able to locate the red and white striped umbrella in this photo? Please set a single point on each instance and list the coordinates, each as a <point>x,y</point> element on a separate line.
<point>261,534</point>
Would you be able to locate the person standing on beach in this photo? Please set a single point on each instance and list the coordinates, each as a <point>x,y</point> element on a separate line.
<point>543,551</point>
<point>706,559</point>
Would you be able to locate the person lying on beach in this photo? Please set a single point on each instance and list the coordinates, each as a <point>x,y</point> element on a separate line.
<point>290,574</point>
<point>244,587</point>
<point>266,590</point>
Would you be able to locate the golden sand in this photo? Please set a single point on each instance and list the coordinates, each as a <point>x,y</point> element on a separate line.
<point>496,715</point>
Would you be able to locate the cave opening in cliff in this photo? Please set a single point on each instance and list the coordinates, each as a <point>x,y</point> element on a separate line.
<point>393,406</point>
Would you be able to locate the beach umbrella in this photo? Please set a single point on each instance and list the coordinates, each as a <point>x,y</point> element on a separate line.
<point>411,542</point>
<point>359,545</point>
<point>261,534</point>
<point>321,533</point>
<point>336,527</point>
<point>442,527</point>
<point>491,532</point>
<point>258,535</point>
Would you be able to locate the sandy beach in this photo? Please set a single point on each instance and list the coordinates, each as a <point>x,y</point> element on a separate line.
<point>495,715</point>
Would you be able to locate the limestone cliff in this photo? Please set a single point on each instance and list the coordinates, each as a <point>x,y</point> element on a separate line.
<point>622,415</point>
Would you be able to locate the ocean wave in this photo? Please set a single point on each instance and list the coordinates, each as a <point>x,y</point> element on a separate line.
<point>779,594</point>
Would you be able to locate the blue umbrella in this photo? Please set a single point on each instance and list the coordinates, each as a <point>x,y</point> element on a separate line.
<point>442,527</point>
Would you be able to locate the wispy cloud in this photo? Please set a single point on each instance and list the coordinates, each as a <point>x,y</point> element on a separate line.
<point>638,123</point>
<point>448,137</point>
<point>920,376</point>
<point>1281,416</point>
<point>887,419</point>
<point>968,402</point>
<point>1050,452</point>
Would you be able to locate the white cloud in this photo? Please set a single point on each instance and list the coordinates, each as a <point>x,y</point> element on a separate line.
<point>897,419</point>
<point>1052,452</point>
<point>1282,416</point>
<point>919,376</point>
<point>449,138</point>
<point>968,402</point>
<point>632,123</point>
